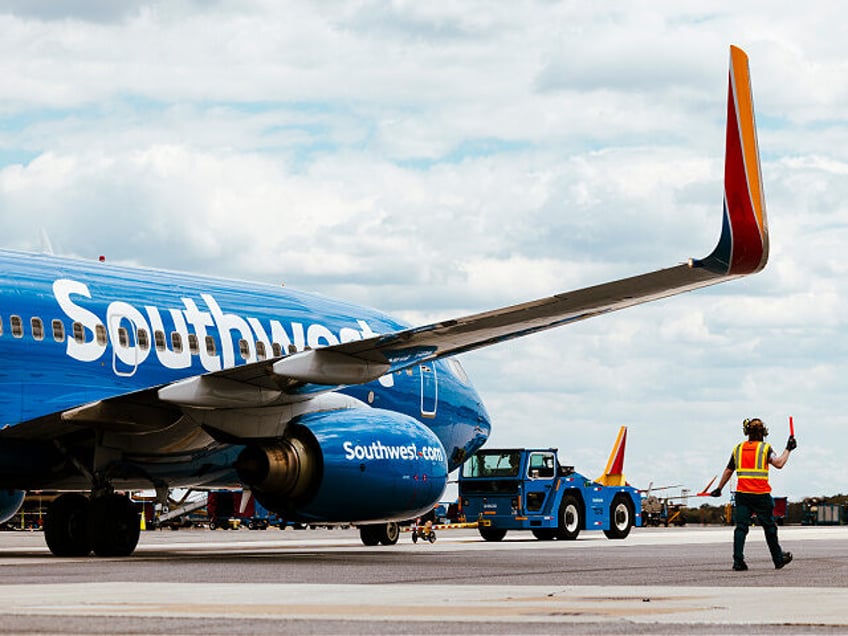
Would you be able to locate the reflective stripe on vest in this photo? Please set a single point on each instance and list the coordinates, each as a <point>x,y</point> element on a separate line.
<point>752,467</point>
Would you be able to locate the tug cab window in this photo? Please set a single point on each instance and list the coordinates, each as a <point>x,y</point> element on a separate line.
<point>541,466</point>
<point>492,464</point>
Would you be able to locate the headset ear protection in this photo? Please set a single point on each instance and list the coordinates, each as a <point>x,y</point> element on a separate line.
<point>752,423</point>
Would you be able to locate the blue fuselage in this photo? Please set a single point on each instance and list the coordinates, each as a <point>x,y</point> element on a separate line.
<point>77,332</point>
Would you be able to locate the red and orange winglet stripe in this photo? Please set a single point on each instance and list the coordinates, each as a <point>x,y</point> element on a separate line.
<point>743,246</point>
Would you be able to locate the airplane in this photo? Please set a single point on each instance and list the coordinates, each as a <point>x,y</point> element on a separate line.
<point>115,379</point>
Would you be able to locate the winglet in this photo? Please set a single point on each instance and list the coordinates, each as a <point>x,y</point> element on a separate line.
<point>744,245</point>
<point>614,472</point>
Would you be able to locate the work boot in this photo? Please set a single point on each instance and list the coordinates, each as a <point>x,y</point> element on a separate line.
<point>787,557</point>
<point>741,566</point>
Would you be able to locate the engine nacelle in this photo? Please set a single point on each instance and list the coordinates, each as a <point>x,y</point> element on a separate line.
<point>10,502</point>
<point>348,465</point>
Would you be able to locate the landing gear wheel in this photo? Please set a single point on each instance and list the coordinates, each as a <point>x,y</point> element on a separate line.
<point>369,535</point>
<point>491,534</point>
<point>621,517</point>
<point>113,526</point>
<point>66,526</point>
<point>570,518</point>
<point>389,533</point>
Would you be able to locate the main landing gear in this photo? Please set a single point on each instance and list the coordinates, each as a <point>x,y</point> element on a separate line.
<point>382,533</point>
<point>107,524</point>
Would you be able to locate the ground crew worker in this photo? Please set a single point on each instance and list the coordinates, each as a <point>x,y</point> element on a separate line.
<point>750,460</point>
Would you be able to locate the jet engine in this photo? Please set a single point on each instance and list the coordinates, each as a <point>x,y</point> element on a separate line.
<point>10,502</point>
<point>348,465</point>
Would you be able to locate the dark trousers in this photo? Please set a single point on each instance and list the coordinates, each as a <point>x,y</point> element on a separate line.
<point>763,505</point>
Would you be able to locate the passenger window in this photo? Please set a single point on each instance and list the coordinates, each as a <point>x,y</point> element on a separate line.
<point>210,346</point>
<point>243,350</point>
<point>276,349</point>
<point>123,337</point>
<point>79,333</point>
<point>260,350</point>
<point>192,344</point>
<point>176,342</point>
<point>17,326</point>
<point>37,328</point>
<point>143,339</point>
<point>159,340</point>
<point>58,331</point>
<point>100,334</point>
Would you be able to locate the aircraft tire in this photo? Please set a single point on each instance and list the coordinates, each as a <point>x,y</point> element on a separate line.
<point>369,535</point>
<point>621,517</point>
<point>570,518</point>
<point>389,533</point>
<point>491,534</point>
<point>66,526</point>
<point>113,526</point>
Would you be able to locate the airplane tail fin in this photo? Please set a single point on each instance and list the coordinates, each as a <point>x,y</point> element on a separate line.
<point>744,246</point>
<point>614,472</point>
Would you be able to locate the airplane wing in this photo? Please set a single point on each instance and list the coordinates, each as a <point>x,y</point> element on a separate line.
<point>742,249</point>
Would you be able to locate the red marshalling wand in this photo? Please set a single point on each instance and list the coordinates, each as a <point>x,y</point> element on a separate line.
<point>706,491</point>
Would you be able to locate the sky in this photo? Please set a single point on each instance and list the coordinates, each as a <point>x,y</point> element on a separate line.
<point>438,159</point>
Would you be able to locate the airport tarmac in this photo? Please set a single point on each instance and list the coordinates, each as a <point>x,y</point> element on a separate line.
<point>657,581</point>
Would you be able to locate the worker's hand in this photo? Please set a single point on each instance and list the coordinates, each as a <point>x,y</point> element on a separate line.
<point>716,493</point>
<point>791,444</point>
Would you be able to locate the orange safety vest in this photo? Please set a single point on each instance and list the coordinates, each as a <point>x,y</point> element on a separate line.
<point>752,467</point>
